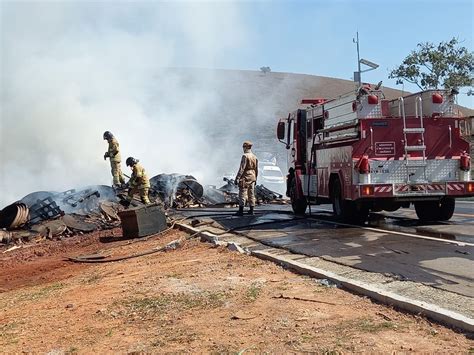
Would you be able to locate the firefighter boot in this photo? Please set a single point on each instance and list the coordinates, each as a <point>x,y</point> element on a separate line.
<point>240,212</point>
<point>251,211</point>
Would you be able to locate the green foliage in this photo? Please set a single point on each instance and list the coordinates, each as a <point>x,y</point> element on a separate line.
<point>431,66</point>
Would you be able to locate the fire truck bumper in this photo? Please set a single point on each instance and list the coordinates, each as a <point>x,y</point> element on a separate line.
<point>403,190</point>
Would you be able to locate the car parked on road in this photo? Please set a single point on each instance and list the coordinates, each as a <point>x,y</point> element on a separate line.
<point>271,177</point>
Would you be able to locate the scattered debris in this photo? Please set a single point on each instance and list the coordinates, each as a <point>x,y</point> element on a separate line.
<point>387,318</point>
<point>5,237</point>
<point>12,248</point>
<point>235,247</point>
<point>243,316</point>
<point>110,209</point>
<point>303,299</point>
<point>50,214</point>
<point>327,283</point>
<point>50,229</point>
<point>78,223</point>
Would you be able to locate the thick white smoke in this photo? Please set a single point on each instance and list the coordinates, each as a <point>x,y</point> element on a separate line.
<point>71,70</point>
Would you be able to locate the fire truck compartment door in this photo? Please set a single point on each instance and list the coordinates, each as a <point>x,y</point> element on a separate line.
<point>313,185</point>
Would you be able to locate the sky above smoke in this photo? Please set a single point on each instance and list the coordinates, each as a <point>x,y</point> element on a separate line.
<point>71,70</point>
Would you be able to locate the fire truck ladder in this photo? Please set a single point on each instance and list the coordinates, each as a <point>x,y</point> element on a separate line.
<point>412,165</point>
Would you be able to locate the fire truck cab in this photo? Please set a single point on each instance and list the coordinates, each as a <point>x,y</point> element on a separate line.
<point>362,153</point>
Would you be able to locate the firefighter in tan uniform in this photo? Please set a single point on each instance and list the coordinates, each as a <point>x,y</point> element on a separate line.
<point>113,153</point>
<point>246,179</point>
<point>138,181</point>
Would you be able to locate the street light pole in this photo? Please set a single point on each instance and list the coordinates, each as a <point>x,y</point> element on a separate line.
<point>358,59</point>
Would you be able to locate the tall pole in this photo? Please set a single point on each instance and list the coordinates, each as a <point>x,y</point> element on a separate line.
<point>358,59</point>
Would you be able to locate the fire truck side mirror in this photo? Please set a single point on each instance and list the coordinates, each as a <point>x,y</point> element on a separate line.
<point>281,131</point>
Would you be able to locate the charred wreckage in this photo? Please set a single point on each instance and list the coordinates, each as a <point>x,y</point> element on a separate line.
<point>53,215</point>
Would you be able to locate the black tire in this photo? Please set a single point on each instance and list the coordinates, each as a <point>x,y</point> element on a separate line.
<point>427,210</point>
<point>446,208</point>
<point>359,212</point>
<point>338,204</point>
<point>349,211</point>
<point>299,205</point>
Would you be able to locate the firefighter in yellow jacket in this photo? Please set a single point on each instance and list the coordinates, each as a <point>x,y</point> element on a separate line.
<point>113,153</point>
<point>138,181</point>
<point>246,179</point>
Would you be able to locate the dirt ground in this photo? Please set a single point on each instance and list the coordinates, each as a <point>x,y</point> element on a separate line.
<point>196,298</point>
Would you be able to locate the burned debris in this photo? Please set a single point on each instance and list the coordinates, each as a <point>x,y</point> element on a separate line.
<point>184,191</point>
<point>50,215</point>
<point>53,215</point>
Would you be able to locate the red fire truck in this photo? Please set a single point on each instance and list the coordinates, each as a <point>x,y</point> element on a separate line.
<point>362,152</point>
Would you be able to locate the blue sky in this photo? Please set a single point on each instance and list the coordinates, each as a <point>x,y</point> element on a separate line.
<point>315,37</point>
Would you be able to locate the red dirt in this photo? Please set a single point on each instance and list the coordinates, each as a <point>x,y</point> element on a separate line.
<point>193,299</point>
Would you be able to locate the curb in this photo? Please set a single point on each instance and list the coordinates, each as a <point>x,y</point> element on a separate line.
<point>386,297</point>
<point>431,311</point>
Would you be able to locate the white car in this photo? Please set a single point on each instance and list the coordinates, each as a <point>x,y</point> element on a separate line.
<point>272,178</point>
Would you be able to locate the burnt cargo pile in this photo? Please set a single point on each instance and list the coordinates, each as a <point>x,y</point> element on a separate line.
<point>54,215</point>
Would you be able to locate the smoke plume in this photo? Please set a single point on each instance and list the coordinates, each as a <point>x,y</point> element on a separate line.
<point>71,70</point>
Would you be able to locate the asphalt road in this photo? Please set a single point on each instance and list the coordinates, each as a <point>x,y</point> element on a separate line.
<point>396,243</point>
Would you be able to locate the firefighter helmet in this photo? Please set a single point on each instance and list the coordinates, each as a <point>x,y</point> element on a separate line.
<point>108,135</point>
<point>131,161</point>
<point>247,144</point>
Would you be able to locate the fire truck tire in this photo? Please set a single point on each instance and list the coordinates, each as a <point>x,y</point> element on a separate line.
<point>446,208</point>
<point>339,206</point>
<point>428,210</point>
<point>350,211</point>
<point>298,204</point>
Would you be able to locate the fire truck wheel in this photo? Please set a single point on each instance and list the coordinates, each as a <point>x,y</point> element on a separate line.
<point>446,208</point>
<point>428,210</point>
<point>298,204</point>
<point>349,211</point>
<point>338,203</point>
<point>359,212</point>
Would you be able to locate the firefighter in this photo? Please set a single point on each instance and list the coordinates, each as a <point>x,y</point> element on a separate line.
<point>113,153</point>
<point>138,181</point>
<point>246,179</point>
<point>289,181</point>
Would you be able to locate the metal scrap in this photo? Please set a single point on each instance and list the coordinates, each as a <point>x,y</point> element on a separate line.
<point>44,209</point>
<point>78,223</point>
<point>50,229</point>
<point>14,216</point>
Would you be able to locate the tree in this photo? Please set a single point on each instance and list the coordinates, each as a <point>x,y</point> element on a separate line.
<point>265,70</point>
<point>447,64</point>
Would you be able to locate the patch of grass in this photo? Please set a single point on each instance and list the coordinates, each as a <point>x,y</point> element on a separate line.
<point>174,275</point>
<point>157,343</point>
<point>72,350</point>
<point>8,333</point>
<point>330,352</point>
<point>45,291</point>
<point>306,337</point>
<point>220,349</point>
<point>92,279</point>
<point>366,325</point>
<point>151,305</point>
<point>369,326</point>
<point>177,335</point>
<point>254,291</point>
